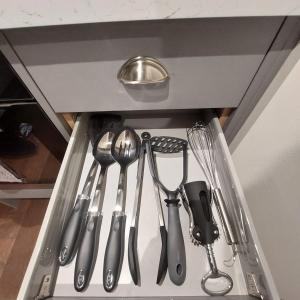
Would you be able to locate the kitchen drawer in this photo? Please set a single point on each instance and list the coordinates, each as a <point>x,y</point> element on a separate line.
<point>215,60</point>
<point>44,277</point>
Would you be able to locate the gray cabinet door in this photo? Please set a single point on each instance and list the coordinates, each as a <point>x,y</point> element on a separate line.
<point>211,62</point>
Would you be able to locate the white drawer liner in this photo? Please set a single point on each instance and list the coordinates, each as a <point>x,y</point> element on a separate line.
<point>149,242</point>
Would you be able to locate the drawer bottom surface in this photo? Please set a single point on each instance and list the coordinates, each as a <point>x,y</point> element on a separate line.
<point>149,242</point>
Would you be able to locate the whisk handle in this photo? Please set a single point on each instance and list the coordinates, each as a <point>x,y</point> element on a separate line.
<point>227,226</point>
<point>175,245</point>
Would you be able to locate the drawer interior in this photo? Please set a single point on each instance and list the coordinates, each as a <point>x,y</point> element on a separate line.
<point>170,171</point>
<point>58,282</point>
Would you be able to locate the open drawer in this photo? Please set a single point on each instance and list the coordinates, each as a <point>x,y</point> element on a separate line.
<point>44,278</point>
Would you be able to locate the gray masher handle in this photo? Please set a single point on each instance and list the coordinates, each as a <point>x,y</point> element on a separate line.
<point>175,246</point>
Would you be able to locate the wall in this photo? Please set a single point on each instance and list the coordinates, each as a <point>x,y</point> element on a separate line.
<point>267,159</point>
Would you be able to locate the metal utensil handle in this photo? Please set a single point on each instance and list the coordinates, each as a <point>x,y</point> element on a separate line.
<point>87,253</point>
<point>89,182</point>
<point>114,251</point>
<point>139,185</point>
<point>72,230</point>
<point>121,193</point>
<point>214,273</point>
<point>175,245</point>
<point>224,216</point>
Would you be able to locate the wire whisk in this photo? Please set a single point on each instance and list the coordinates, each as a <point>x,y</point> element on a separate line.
<point>200,139</point>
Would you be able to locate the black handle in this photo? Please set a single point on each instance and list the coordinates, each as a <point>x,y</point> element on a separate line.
<point>175,245</point>
<point>114,251</point>
<point>200,203</point>
<point>87,252</point>
<point>72,231</point>
<point>163,261</point>
<point>133,256</point>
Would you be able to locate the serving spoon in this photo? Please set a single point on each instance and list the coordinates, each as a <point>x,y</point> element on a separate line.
<point>125,150</point>
<point>87,253</point>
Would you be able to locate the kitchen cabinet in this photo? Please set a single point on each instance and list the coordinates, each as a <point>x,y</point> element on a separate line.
<point>212,64</point>
<point>31,147</point>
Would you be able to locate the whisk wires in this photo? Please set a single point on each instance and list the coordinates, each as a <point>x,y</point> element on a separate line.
<point>200,141</point>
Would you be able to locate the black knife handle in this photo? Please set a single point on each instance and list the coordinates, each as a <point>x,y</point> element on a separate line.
<point>87,252</point>
<point>72,230</point>
<point>163,261</point>
<point>114,251</point>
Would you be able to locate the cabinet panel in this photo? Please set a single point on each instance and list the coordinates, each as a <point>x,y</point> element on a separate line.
<point>211,62</point>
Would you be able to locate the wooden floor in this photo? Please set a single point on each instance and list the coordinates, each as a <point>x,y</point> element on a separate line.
<point>19,229</point>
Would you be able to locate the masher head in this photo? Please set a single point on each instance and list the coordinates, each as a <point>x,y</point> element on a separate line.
<point>167,144</point>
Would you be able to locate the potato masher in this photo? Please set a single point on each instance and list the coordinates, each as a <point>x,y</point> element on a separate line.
<point>175,242</point>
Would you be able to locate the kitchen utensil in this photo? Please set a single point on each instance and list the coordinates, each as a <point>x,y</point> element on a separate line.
<point>74,226</point>
<point>88,249</point>
<point>175,242</point>
<point>132,241</point>
<point>125,150</point>
<point>73,229</point>
<point>201,142</point>
<point>163,261</point>
<point>206,232</point>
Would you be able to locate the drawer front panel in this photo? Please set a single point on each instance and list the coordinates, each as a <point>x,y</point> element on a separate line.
<point>211,62</point>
